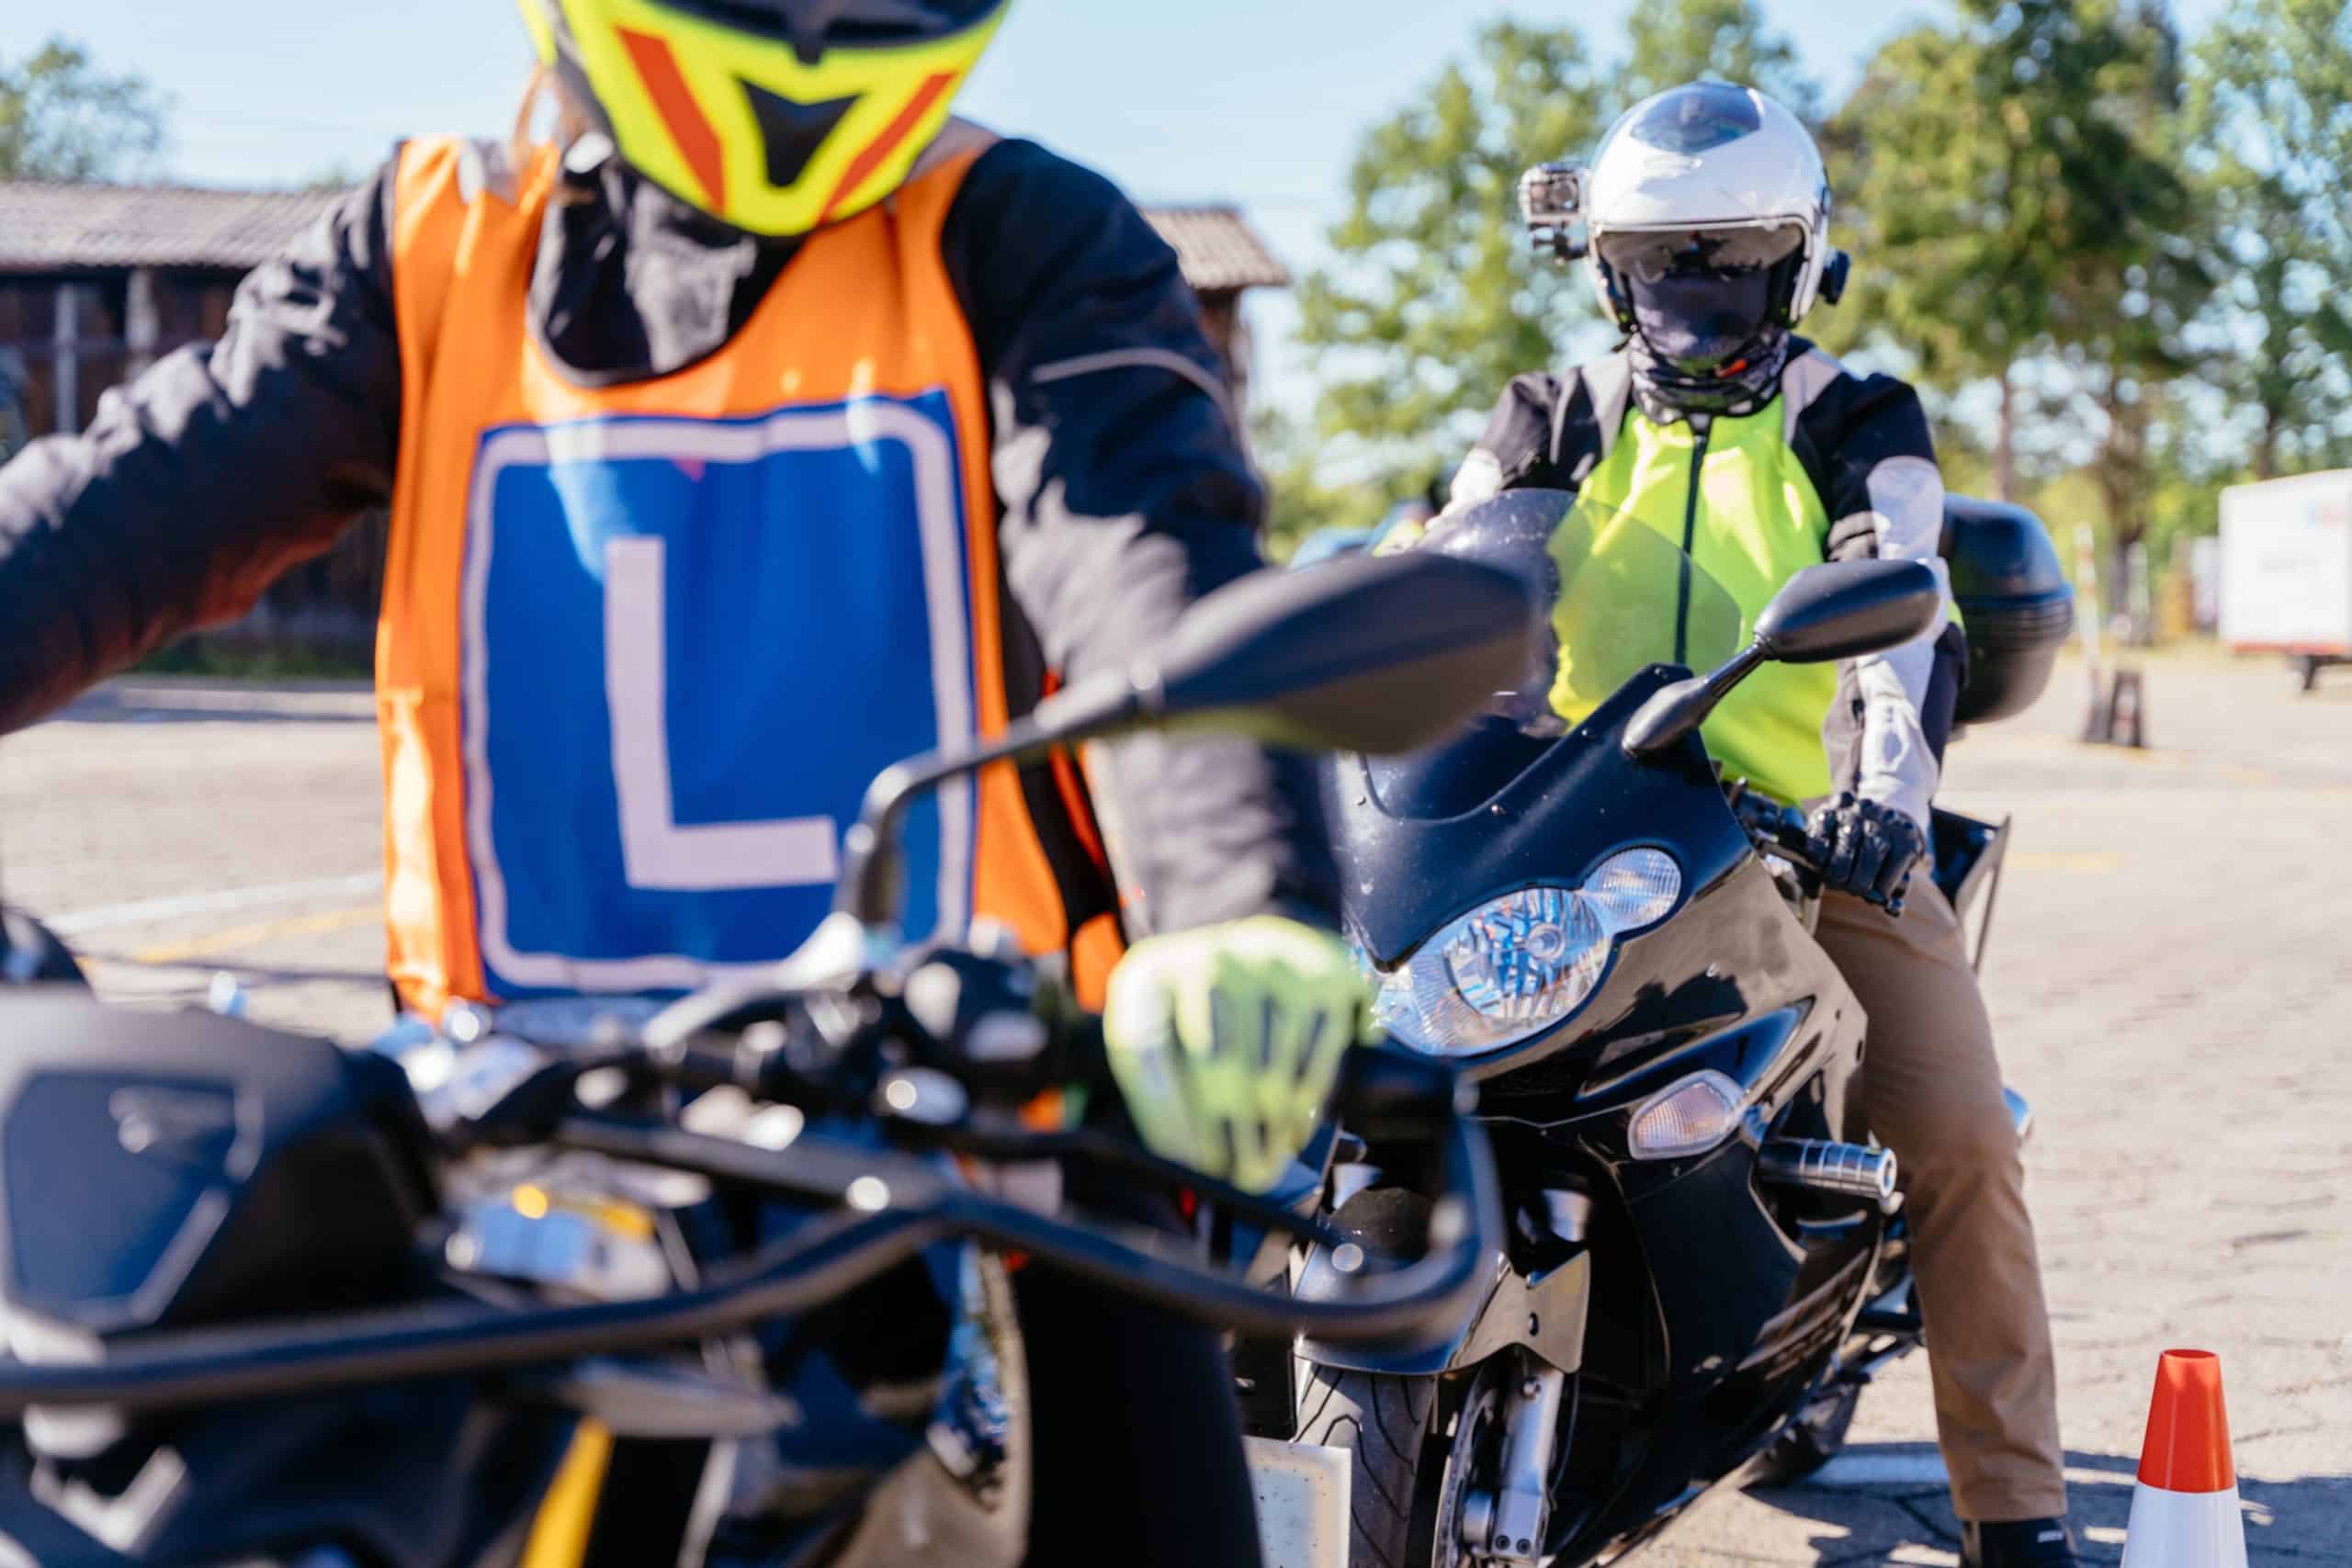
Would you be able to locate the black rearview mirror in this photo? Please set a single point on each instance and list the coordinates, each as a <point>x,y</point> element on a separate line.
<point>1376,654</point>
<point>1845,609</point>
<point>1373,654</point>
<point>1838,610</point>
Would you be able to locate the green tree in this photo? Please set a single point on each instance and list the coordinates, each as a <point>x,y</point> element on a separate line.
<point>1299,500</point>
<point>62,119</point>
<point>2272,118</point>
<point>1435,298</point>
<point>2127,322</point>
<point>1723,39</point>
<point>2005,195</point>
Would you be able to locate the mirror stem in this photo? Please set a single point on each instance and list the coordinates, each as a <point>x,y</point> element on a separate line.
<point>1684,706</point>
<point>869,887</point>
<point>1743,664</point>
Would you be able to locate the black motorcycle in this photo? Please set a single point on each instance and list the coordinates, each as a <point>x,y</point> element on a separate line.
<point>564,1283</point>
<point>1707,1257</point>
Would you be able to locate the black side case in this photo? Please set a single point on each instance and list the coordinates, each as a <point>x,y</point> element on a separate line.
<point>2014,603</point>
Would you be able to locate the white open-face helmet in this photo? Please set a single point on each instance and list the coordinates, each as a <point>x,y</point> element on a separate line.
<point>1714,159</point>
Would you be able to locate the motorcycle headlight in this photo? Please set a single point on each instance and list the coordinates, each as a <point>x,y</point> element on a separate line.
<point>1519,963</point>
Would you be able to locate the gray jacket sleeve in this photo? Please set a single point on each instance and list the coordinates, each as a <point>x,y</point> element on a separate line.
<point>209,475</point>
<point>1898,768</point>
<point>1869,443</point>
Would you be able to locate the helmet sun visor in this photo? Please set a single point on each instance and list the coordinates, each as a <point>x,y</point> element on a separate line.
<point>1650,255</point>
<point>741,125</point>
<point>1698,117</point>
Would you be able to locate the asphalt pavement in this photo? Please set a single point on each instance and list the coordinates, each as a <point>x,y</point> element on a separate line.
<point>2170,973</point>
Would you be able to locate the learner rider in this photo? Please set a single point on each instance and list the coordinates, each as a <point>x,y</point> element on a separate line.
<point>769,427</point>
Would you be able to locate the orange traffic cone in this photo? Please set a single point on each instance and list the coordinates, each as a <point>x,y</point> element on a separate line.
<point>2185,1506</point>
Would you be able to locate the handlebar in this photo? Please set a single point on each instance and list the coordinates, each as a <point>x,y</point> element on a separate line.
<point>882,1208</point>
<point>1397,1095</point>
<point>1003,1049</point>
<point>1782,830</point>
<point>1400,1096</point>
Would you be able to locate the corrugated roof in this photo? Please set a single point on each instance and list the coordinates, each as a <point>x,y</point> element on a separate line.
<point>1217,248</point>
<point>48,227</point>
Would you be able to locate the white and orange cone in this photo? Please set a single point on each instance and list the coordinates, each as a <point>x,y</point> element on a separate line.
<point>2185,1506</point>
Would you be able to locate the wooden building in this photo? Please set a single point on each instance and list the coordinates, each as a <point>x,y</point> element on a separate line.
<point>98,281</point>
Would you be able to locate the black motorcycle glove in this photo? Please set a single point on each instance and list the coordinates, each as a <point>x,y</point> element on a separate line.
<point>1863,849</point>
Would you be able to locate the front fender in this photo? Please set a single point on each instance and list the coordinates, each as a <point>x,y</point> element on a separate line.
<point>1543,1311</point>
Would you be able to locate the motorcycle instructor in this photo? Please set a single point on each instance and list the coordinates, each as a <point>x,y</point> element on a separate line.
<point>768,426</point>
<point>1707,215</point>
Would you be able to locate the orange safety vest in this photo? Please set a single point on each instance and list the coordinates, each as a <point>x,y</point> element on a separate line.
<point>643,646</point>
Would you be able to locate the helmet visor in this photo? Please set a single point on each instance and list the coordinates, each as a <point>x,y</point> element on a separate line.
<point>826,23</point>
<point>1651,255</point>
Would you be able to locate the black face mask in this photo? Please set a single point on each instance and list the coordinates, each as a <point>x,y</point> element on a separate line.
<point>1698,323</point>
<point>1708,341</point>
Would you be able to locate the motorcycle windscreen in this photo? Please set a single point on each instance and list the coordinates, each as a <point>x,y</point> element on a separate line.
<point>1616,595</point>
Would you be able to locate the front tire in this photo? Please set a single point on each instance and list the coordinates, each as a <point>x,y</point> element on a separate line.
<point>1390,1425</point>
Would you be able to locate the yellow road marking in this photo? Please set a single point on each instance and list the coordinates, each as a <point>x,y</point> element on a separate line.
<point>258,933</point>
<point>2066,860</point>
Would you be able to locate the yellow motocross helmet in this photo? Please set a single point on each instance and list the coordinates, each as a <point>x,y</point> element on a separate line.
<point>772,116</point>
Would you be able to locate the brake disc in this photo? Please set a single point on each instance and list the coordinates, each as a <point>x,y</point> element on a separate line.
<point>1471,1464</point>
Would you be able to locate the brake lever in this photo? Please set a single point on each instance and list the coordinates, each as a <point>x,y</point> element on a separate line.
<point>1774,828</point>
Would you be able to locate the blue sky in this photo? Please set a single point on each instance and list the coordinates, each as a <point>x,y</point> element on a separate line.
<point>1254,101</point>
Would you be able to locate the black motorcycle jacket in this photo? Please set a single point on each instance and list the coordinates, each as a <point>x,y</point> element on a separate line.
<point>1123,488</point>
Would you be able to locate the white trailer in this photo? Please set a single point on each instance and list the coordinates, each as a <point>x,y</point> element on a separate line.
<point>2287,569</point>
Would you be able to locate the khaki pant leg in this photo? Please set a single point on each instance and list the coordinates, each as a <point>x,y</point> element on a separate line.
<point>1931,1092</point>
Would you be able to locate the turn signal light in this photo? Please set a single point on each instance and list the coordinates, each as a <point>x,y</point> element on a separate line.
<point>1687,1118</point>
